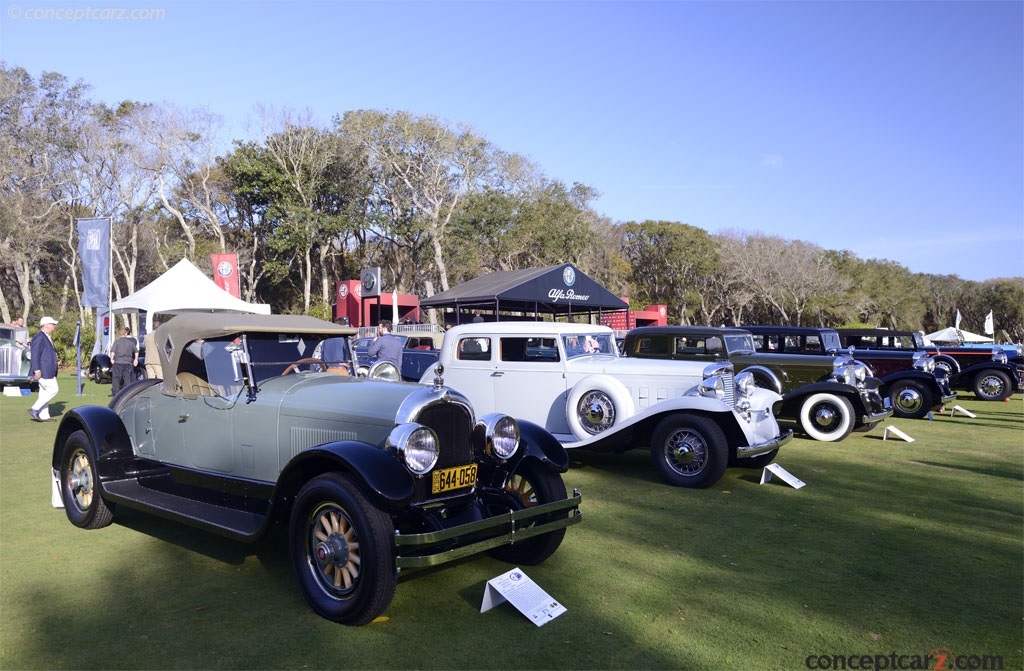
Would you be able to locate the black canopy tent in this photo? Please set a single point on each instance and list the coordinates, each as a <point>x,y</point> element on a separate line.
<point>556,290</point>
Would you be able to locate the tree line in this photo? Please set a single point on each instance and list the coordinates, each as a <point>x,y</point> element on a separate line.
<point>433,203</point>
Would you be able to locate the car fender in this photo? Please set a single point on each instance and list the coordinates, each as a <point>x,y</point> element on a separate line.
<point>108,439</point>
<point>965,378</point>
<point>925,378</point>
<point>766,378</point>
<point>543,447</point>
<point>382,476</point>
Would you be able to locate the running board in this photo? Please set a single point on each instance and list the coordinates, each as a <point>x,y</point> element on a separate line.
<point>231,522</point>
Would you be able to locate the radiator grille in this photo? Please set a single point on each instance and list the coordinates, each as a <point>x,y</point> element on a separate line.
<point>452,422</point>
<point>730,388</point>
<point>10,361</point>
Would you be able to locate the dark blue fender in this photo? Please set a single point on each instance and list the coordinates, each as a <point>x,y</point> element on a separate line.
<point>792,401</point>
<point>108,439</point>
<point>543,447</point>
<point>384,479</point>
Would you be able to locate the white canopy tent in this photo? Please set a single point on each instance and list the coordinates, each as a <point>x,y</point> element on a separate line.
<point>183,288</point>
<point>954,336</point>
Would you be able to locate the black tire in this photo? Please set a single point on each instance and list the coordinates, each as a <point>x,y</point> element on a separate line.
<point>129,392</point>
<point>342,550</point>
<point>760,461</point>
<point>689,451</point>
<point>992,385</point>
<point>827,417</point>
<point>532,484</point>
<point>79,485</point>
<point>910,400</point>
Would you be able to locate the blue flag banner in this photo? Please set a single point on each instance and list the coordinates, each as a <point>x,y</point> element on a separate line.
<point>94,249</point>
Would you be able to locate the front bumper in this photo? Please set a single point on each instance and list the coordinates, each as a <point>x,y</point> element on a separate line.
<point>436,547</point>
<point>762,448</point>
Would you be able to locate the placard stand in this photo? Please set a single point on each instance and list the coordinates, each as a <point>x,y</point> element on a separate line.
<point>896,432</point>
<point>957,408</point>
<point>519,590</point>
<point>784,475</point>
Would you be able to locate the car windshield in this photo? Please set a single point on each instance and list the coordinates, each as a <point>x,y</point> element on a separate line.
<point>591,343</point>
<point>830,341</point>
<point>739,343</point>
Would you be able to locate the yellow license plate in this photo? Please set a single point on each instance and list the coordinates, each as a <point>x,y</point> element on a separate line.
<point>446,479</point>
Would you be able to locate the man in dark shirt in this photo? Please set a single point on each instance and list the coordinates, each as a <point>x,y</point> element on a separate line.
<point>386,347</point>
<point>124,357</point>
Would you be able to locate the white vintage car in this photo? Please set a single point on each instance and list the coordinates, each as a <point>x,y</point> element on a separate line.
<point>697,419</point>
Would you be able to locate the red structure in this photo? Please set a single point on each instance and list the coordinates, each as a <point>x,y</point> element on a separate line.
<point>652,315</point>
<point>350,307</point>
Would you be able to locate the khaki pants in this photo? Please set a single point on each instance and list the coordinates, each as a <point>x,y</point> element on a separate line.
<point>47,390</point>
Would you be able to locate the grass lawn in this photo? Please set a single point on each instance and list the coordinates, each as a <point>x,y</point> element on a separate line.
<point>891,548</point>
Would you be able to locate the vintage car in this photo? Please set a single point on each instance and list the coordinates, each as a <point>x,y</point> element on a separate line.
<point>569,378</point>
<point>14,355</point>
<point>992,381</point>
<point>369,476</point>
<point>827,397</point>
<point>952,358</point>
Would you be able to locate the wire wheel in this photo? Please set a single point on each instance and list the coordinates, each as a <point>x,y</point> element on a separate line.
<point>596,412</point>
<point>689,451</point>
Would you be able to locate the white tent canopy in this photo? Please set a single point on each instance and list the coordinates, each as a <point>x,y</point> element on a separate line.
<point>955,336</point>
<point>183,288</point>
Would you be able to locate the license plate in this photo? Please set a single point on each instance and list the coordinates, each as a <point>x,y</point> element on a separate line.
<point>447,479</point>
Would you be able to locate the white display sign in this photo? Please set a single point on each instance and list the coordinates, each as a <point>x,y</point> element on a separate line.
<point>784,475</point>
<point>896,432</point>
<point>523,593</point>
<point>957,408</point>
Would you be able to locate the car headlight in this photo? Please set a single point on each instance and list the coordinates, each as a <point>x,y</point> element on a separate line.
<point>415,446</point>
<point>384,370</point>
<point>924,362</point>
<point>999,356</point>
<point>501,435</point>
<point>745,384</point>
<point>712,387</point>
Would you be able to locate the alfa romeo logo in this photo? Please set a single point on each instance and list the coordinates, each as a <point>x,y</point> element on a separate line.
<point>569,276</point>
<point>368,282</point>
<point>224,269</point>
<point>343,291</point>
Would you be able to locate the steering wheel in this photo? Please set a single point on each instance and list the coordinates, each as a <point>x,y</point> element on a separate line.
<point>298,363</point>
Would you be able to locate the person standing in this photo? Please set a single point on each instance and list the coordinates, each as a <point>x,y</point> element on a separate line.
<point>387,346</point>
<point>124,357</point>
<point>44,369</point>
<point>153,366</point>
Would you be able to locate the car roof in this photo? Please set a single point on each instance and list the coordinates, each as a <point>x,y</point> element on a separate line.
<point>182,329</point>
<point>523,328</point>
<point>787,329</point>
<point>687,330</point>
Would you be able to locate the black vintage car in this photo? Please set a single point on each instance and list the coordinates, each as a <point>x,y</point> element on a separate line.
<point>249,431</point>
<point>827,398</point>
<point>100,366</point>
<point>923,395</point>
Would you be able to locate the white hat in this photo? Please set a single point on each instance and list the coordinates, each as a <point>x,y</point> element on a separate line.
<point>47,320</point>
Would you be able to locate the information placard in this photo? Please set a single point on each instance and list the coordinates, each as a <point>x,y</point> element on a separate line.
<point>518,589</point>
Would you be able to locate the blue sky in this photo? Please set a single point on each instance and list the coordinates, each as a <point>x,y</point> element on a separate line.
<point>894,130</point>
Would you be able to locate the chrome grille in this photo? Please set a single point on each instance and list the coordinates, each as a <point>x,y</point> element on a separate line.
<point>730,388</point>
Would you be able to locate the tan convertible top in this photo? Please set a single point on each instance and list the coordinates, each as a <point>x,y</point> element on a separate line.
<point>170,338</point>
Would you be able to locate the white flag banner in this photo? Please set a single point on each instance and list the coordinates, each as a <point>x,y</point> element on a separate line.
<point>958,320</point>
<point>989,327</point>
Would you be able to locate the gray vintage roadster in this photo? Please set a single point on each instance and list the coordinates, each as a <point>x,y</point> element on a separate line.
<point>247,430</point>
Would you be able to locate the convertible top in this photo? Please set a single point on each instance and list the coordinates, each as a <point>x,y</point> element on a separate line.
<point>170,338</point>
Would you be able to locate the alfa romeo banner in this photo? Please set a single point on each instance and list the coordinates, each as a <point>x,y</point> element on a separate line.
<point>225,272</point>
<point>94,249</point>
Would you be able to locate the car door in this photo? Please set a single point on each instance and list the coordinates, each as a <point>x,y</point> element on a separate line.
<point>529,380</point>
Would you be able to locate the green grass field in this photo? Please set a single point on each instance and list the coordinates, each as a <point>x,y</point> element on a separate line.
<point>891,548</point>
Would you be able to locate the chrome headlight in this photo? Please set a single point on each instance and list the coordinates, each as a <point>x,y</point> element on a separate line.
<point>849,371</point>
<point>999,356</point>
<point>415,446</point>
<point>923,362</point>
<point>501,435</point>
<point>745,384</point>
<point>712,387</point>
<point>384,370</point>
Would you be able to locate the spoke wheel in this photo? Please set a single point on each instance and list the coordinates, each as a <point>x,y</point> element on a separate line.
<point>342,550</point>
<point>532,484</point>
<point>79,491</point>
<point>689,451</point>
